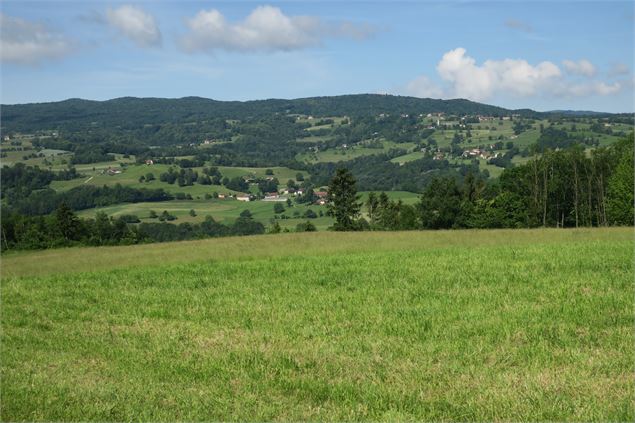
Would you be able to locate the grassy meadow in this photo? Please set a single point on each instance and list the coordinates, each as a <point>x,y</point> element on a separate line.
<point>350,153</point>
<point>225,211</point>
<point>448,325</point>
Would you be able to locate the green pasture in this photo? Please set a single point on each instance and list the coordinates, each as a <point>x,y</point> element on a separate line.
<point>222,210</point>
<point>350,153</point>
<point>406,197</point>
<point>130,175</point>
<point>513,325</point>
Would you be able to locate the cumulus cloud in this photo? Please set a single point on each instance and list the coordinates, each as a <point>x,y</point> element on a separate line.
<point>30,43</point>
<point>581,67</point>
<point>266,28</point>
<point>135,24</point>
<point>465,78</point>
<point>480,82</point>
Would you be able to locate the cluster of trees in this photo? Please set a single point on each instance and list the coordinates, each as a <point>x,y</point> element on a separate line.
<point>91,154</point>
<point>184,177</point>
<point>84,197</point>
<point>236,183</point>
<point>378,173</point>
<point>64,228</point>
<point>20,180</point>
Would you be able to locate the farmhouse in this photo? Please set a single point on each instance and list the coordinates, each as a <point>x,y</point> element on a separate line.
<point>475,152</point>
<point>273,196</point>
<point>243,198</point>
<point>113,171</point>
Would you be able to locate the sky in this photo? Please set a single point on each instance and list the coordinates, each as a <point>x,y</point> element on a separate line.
<point>515,54</point>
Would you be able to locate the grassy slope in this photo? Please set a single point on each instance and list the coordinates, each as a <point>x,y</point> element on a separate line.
<point>339,155</point>
<point>457,325</point>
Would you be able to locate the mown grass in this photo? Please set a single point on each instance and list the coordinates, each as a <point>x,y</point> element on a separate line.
<point>463,325</point>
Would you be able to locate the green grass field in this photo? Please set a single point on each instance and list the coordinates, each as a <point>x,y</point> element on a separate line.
<point>225,211</point>
<point>521,325</point>
<point>405,196</point>
<point>353,152</point>
<point>131,173</point>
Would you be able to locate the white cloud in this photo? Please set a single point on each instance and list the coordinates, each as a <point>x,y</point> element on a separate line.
<point>266,28</point>
<point>25,42</point>
<point>464,78</point>
<point>581,67</point>
<point>512,76</point>
<point>135,24</point>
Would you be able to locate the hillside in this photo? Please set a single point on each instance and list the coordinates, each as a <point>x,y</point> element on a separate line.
<point>74,114</point>
<point>451,325</point>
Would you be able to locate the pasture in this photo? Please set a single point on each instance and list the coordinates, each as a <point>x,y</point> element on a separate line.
<point>351,152</point>
<point>448,325</point>
<point>224,211</point>
<point>131,173</point>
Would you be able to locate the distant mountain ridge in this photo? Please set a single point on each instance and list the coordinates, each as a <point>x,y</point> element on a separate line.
<point>124,111</point>
<point>577,113</point>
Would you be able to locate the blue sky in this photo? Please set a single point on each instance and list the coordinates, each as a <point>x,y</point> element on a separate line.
<point>544,56</point>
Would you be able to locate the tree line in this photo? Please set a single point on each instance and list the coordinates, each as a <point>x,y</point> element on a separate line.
<point>562,189</point>
<point>63,228</point>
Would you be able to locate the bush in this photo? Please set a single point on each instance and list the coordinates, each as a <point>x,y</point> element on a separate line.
<point>305,227</point>
<point>129,218</point>
<point>310,214</point>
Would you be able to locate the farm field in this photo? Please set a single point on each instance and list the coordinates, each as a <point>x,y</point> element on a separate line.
<point>415,155</point>
<point>405,196</point>
<point>130,175</point>
<point>224,211</point>
<point>350,153</point>
<point>447,325</point>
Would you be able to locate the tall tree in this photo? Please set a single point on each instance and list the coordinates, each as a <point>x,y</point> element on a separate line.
<point>371,204</point>
<point>343,201</point>
<point>67,223</point>
<point>621,186</point>
<point>440,204</point>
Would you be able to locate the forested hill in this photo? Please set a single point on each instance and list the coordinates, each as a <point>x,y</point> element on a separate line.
<point>128,112</point>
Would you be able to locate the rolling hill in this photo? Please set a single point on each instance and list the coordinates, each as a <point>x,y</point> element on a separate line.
<point>74,114</point>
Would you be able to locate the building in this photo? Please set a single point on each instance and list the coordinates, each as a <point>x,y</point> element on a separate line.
<point>113,171</point>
